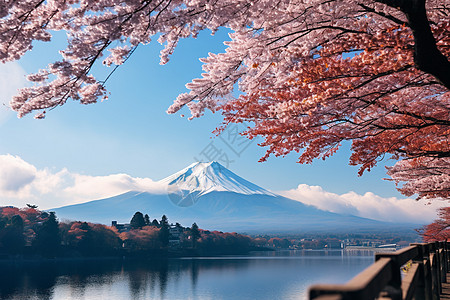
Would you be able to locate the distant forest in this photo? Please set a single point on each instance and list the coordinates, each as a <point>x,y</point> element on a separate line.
<point>29,232</point>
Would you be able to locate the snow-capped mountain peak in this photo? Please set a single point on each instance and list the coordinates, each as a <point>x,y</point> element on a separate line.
<point>203,178</point>
<point>217,199</point>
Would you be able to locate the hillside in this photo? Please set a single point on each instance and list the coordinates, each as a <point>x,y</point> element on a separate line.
<point>218,199</point>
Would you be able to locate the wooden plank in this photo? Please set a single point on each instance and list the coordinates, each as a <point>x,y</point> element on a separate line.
<point>409,282</point>
<point>365,285</point>
<point>401,256</point>
<point>445,295</point>
<point>386,270</point>
<point>329,297</point>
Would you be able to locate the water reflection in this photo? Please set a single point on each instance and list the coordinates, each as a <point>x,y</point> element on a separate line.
<point>269,275</point>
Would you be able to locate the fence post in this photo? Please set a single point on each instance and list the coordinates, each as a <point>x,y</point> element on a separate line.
<point>434,272</point>
<point>426,277</point>
<point>444,261</point>
<point>420,292</point>
<point>393,289</point>
<point>437,271</point>
<point>423,283</point>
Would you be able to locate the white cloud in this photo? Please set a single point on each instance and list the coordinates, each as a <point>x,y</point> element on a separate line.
<point>21,183</point>
<point>16,176</point>
<point>12,78</point>
<point>96,187</point>
<point>47,182</point>
<point>368,205</point>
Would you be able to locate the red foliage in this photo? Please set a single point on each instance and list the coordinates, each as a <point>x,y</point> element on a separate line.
<point>279,243</point>
<point>31,219</point>
<point>9,211</point>
<point>311,73</point>
<point>377,99</point>
<point>439,230</point>
<point>29,215</point>
<point>78,230</point>
<point>145,238</point>
<point>259,241</point>
<point>224,242</point>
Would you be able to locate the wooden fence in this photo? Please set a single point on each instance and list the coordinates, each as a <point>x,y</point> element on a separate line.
<point>424,268</point>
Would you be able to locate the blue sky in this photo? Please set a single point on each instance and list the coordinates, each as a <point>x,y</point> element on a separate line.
<point>132,134</point>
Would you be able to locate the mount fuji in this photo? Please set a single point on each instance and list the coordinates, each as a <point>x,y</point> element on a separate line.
<point>218,199</point>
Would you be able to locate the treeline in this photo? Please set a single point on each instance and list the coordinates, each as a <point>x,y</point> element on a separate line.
<point>333,241</point>
<point>144,236</point>
<point>30,232</point>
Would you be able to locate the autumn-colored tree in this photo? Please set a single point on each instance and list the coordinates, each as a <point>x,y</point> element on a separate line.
<point>106,239</point>
<point>87,239</point>
<point>90,239</point>
<point>8,211</point>
<point>223,242</point>
<point>312,73</point>
<point>439,230</point>
<point>260,242</point>
<point>28,215</point>
<point>81,237</point>
<point>279,243</point>
<point>146,238</point>
<point>31,220</point>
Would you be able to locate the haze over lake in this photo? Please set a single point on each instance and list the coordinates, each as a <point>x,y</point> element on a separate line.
<point>268,275</point>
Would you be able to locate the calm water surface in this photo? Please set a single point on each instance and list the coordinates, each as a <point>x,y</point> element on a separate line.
<point>269,275</point>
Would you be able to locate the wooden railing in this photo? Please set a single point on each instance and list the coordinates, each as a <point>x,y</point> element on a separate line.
<point>424,268</point>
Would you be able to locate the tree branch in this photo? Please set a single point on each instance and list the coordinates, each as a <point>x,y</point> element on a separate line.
<point>427,56</point>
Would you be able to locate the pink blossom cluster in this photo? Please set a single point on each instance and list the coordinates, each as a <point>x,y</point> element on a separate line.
<point>312,73</point>
<point>427,177</point>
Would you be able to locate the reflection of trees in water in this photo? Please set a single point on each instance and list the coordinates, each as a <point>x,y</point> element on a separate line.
<point>194,275</point>
<point>138,280</point>
<point>39,280</point>
<point>144,277</point>
<point>31,279</point>
<point>81,275</point>
<point>163,279</point>
<point>153,277</point>
<point>35,283</point>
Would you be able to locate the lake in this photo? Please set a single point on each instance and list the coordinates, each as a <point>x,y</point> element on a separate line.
<point>265,275</point>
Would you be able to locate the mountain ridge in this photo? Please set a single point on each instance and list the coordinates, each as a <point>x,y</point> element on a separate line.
<point>218,199</point>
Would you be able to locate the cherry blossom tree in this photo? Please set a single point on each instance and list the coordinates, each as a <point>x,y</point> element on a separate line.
<point>439,230</point>
<point>312,73</point>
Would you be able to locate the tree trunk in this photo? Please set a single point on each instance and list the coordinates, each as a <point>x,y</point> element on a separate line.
<point>427,57</point>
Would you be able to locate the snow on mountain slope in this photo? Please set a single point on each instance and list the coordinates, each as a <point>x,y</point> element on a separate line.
<point>203,178</point>
<point>217,199</point>
<point>225,211</point>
